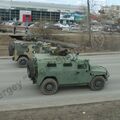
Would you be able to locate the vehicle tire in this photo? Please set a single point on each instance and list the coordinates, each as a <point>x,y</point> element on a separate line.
<point>22,61</point>
<point>97,83</point>
<point>49,86</point>
<point>11,48</point>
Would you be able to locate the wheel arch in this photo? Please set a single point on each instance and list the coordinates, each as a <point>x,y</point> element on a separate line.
<point>102,75</point>
<point>53,77</point>
<point>22,56</point>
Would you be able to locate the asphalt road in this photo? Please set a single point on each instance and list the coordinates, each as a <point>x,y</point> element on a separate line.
<point>27,95</point>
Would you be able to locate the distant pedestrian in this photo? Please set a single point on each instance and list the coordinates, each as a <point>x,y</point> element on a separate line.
<point>14,29</point>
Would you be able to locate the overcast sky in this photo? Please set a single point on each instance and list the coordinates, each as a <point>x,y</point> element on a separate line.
<point>76,2</point>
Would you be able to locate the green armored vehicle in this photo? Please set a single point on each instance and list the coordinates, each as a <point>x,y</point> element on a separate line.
<point>51,72</point>
<point>22,51</point>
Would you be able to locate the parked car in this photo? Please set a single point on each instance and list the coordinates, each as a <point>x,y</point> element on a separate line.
<point>10,23</point>
<point>112,28</point>
<point>53,27</point>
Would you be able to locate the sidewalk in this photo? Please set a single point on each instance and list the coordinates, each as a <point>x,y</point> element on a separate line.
<point>99,53</point>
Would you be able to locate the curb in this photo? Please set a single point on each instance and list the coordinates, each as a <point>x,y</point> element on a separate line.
<point>81,54</point>
<point>24,108</point>
<point>99,53</point>
<point>5,57</point>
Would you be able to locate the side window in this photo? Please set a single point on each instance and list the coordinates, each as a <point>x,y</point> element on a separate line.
<point>67,64</point>
<point>51,65</point>
<point>82,66</point>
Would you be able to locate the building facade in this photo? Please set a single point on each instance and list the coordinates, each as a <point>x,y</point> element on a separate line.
<point>34,11</point>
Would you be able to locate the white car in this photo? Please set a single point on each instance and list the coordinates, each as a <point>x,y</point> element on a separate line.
<point>74,27</point>
<point>63,27</point>
<point>10,23</point>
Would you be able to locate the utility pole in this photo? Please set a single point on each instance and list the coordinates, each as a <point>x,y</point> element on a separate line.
<point>89,20</point>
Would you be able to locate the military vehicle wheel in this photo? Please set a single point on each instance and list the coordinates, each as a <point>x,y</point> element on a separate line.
<point>22,61</point>
<point>49,86</point>
<point>97,83</point>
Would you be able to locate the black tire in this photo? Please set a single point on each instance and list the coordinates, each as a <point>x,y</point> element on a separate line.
<point>11,48</point>
<point>22,61</point>
<point>97,83</point>
<point>49,86</point>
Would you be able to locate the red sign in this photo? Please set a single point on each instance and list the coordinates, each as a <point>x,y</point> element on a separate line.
<point>27,18</point>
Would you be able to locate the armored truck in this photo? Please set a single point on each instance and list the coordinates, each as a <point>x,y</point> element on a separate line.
<point>51,72</point>
<point>22,51</point>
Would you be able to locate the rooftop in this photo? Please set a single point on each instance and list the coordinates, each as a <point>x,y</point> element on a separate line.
<point>6,4</point>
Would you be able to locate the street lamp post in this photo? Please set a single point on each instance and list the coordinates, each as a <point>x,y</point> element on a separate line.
<point>89,20</point>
